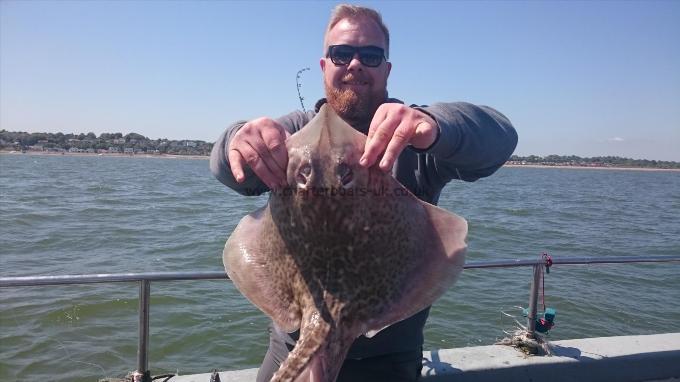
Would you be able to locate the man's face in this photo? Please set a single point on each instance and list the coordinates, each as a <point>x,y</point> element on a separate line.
<point>355,91</point>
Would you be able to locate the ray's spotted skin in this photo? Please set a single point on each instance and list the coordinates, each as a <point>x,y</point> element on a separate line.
<point>341,251</point>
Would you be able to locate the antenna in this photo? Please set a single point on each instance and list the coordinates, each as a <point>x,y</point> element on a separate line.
<point>299,85</point>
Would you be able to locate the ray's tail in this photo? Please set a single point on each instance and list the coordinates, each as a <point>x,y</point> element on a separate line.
<point>318,354</point>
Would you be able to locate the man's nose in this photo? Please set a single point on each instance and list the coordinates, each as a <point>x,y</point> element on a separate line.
<point>355,63</point>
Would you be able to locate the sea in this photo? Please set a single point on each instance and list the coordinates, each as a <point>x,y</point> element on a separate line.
<point>65,215</point>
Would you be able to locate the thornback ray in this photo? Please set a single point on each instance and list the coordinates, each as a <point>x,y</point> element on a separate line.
<point>341,251</point>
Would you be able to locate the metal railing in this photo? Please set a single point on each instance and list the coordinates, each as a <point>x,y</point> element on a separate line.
<point>144,279</point>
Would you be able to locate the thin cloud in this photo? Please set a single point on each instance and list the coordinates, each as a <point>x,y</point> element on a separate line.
<point>615,139</point>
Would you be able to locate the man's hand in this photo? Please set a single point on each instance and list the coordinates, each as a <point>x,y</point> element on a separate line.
<point>394,126</point>
<point>260,144</point>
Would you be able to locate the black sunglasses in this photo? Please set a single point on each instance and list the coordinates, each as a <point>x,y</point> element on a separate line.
<point>371,56</point>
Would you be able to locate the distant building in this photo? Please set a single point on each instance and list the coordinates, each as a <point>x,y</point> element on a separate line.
<point>113,149</point>
<point>129,150</point>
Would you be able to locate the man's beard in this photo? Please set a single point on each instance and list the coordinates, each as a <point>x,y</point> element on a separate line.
<point>357,109</point>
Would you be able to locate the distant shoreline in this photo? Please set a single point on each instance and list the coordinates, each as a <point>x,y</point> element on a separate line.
<point>115,155</point>
<point>591,167</point>
<point>205,157</point>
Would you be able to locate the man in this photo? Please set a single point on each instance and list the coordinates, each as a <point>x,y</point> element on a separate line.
<point>423,147</point>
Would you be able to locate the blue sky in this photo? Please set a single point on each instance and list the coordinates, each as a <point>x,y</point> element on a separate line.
<point>584,78</point>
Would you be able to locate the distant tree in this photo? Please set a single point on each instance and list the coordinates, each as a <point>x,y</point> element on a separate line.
<point>553,159</point>
<point>136,136</point>
<point>32,139</point>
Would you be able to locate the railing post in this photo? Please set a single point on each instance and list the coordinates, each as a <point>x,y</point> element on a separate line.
<point>143,374</point>
<point>533,301</point>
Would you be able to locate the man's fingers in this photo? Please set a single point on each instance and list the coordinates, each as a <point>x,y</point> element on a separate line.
<point>376,144</point>
<point>236,163</point>
<point>267,158</point>
<point>245,155</point>
<point>396,145</point>
<point>260,145</point>
<point>394,127</point>
<point>259,166</point>
<point>275,142</point>
<point>261,161</point>
<point>378,118</point>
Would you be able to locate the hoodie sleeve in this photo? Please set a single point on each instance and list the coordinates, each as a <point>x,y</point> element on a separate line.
<point>473,142</point>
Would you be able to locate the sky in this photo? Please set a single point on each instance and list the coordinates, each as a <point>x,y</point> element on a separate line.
<point>575,78</point>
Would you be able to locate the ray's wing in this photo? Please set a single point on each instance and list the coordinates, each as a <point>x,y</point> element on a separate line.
<point>438,250</point>
<point>255,259</point>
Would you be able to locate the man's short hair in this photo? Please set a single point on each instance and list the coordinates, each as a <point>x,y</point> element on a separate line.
<point>348,11</point>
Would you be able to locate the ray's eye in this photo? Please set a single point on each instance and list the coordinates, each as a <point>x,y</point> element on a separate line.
<point>303,174</point>
<point>345,174</point>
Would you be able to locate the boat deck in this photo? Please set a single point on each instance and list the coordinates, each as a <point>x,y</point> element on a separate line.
<point>627,358</point>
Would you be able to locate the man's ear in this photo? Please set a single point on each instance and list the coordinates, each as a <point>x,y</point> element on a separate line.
<point>322,64</point>
<point>389,68</point>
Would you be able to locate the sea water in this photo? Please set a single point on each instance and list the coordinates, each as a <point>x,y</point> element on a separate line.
<point>95,214</point>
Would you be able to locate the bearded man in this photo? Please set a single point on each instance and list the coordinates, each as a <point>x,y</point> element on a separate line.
<point>423,147</point>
